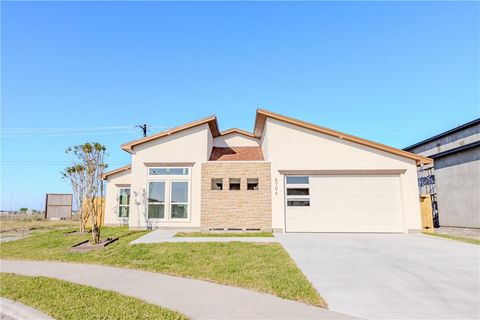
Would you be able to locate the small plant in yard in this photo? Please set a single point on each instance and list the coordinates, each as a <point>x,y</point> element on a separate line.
<point>87,185</point>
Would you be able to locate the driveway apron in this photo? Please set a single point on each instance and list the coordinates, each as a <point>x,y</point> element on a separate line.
<point>390,276</point>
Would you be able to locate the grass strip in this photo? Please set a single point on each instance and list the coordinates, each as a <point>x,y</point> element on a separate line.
<point>66,300</point>
<point>457,238</point>
<point>264,267</point>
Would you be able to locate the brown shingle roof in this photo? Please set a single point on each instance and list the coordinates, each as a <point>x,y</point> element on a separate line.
<point>236,154</point>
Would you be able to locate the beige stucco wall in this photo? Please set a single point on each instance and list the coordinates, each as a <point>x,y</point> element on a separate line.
<point>289,147</point>
<point>111,193</point>
<point>191,145</point>
<point>236,208</point>
<point>235,140</point>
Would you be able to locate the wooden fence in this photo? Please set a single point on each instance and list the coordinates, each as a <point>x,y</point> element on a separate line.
<point>426,213</point>
<point>100,217</point>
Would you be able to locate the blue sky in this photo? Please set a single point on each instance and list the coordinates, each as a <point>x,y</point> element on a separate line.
<point>395,73</point>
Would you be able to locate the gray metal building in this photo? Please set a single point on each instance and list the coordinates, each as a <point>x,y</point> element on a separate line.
<point>454,179</point>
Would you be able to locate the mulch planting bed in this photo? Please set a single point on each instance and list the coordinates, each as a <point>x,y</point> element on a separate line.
<point>86,245</point>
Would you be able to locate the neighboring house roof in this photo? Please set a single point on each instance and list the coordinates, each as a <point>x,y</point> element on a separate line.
<point>455,150</point>
<point>240,131</point>
<point>118,170</point>
<point>262,116</point>
<point>446,133</point>
<point>236,154</point>
<point>211,121</point>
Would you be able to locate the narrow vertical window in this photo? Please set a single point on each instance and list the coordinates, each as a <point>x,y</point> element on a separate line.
<point>124,202</point>
<point>179,200</point>
<point>298,191</point>
<point>156,200</point>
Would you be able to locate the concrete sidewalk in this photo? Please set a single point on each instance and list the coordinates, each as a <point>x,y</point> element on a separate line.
<point>194,298</point>
<point>161,236</point>
<point>13,310</point>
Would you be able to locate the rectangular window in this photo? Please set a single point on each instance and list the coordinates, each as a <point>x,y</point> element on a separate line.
<point>298,191</point>
<point>217,184</point>
<point>252,184</point>
<point>156,200</point>
<point>123,202</point>
<point>234,183</point>
<point>168,171</point>
<point>179,200</point>
<point>298,202</point>
<point>298,180</point>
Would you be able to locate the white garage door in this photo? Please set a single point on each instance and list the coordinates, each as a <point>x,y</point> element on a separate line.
<point>343,204</point>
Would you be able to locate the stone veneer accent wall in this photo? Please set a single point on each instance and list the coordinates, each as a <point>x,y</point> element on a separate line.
<point>236,208</point>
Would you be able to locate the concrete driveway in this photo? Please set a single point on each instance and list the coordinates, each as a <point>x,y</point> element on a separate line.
<point>390,276</point>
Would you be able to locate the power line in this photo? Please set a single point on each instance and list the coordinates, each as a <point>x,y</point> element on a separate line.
<point>64,132</point>
<point>63,129</point>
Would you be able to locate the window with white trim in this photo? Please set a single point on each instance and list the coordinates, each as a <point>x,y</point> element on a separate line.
<point>168,171</point>
<point>298,191</point>
<point>168,194</point>
<point>123,202</point>
<point>179,200</point>
<point>156,200</point>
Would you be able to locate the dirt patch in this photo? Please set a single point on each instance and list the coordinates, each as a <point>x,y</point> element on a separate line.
<point>460,232</point>
<point>86,246</point>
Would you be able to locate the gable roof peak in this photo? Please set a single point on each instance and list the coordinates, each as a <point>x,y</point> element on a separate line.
<point>239,131</point>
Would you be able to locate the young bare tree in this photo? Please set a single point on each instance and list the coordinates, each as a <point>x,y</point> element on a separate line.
<point>76,174</point>
<point>91,156</point>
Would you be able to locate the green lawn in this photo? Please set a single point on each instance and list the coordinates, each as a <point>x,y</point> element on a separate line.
<point>447,236</point>
<point>223,234</point>
<point>65,300</point>
<point>262,267</point>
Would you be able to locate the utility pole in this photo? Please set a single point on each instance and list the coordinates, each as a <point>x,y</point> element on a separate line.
<point>144,128</point>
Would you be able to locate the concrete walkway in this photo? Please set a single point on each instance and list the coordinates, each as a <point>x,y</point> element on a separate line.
<point>390,276</point>
<point>194,298</point>
<point>13,310</point>
<point>161,236</point>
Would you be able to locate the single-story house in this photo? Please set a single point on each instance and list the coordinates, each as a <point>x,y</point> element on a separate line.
<point>287,175</point>
<point>454,180</point>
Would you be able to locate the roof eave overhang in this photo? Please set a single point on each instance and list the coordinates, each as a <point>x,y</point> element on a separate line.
<point>118,170</point>
<point>262,115</point>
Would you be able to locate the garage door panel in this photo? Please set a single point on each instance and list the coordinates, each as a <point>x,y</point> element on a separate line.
<point>349,204</point>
